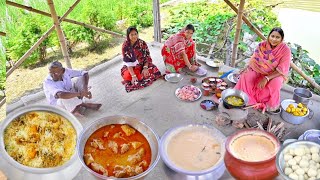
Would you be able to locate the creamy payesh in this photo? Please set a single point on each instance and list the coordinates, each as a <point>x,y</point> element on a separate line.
<point>253,148</point>
<point>194,149</point>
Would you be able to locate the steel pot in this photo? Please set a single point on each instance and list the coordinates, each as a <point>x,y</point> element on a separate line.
<point>302,95</point>
<point>290,118</point>
<point>234,92</point>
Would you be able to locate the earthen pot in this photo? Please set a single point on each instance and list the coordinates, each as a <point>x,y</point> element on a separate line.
<point>247,170</point>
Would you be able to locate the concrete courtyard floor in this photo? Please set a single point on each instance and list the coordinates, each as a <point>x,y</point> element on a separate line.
<point>158,106</point>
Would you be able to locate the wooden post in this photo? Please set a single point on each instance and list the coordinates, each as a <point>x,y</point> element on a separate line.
<point>2,33</point>
<point>156,21</point>
<point>66,19</point>
<point>238,30</point>
<point>28,53</point>
<point>60,33</point>
<point>251,26</point>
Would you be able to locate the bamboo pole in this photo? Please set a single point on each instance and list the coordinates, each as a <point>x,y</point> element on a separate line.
<point>310,80</point>
<point>156,21</point>
<point>44,36</point>
<point>244,18</point>
<point>292,65</point>
<point>61,37</point>
<point>2,33</point>
<point>3,101</point>
<point>66,19</point>
<point>238,30</point>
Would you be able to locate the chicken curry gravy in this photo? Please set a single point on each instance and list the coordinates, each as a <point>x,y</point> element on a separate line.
<point>117,150</point>
<point>253,148</point>
<point>194,149</point>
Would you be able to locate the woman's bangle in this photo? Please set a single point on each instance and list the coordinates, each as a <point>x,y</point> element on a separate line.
<point>134,76</point>
<point>268,79</point>
<point>145,67</point>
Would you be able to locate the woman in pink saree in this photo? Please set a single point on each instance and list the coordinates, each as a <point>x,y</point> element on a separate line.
<point>266,72</point>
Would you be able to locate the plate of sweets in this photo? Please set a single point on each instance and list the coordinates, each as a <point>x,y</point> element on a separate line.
<point>214,84</point>
<point>188,93</point>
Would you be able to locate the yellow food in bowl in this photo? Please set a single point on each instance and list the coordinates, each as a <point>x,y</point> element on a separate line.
<point>235,100</point>
<point>40,139</point>
<point>300,110</point>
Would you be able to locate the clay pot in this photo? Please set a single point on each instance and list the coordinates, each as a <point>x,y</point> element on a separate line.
<point>247,170</point>
<point>206,92</point>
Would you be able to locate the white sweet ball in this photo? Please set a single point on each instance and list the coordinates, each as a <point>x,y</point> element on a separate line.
<point>299,151</point>
<point>287,171</point>
<point>315,157</point>
<point>312,173</point>
<point>300,177</point>
<point>292,162</point>
<point>304,163</point>
<point>287,157</point>
<point>314,149</point>
<point>308,156</point>
<point>312,162</point>
<point>295,167</point>
<point>307,150</point>
<point>293,176</point>
<point>291,151</point>
<point>312,178</point>
<point>297,158</point>
<point>299,171</point>
<point>306,176</point>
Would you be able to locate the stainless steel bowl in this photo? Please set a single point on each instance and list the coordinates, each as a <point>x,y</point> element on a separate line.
<point>280,160</point>
<point>173,77</point>
<point>234,92</point>
<point>148,133</point>
<point>218,169</point>
<point>290,118</point>
<point>19,171</point>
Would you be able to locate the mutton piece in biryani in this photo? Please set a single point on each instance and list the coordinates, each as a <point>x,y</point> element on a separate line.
<point>40,139</point>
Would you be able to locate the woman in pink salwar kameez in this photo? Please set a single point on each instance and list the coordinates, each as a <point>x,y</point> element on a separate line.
<point>266,72</point>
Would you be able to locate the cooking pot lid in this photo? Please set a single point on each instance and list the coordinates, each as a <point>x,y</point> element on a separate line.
<point>313,136</point>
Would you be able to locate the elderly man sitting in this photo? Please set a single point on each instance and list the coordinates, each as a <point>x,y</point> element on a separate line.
<point>67,88</point>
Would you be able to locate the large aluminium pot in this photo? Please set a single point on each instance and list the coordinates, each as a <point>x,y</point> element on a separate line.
<point>290,118</point>
<point>18,171</point>
<point>234,92</point>
<point>302,95</point>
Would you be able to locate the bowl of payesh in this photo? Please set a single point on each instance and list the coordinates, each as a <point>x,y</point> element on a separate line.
<point>40,140</point>
<point>251,154</point>
<point>118,147</point>
<point>193,150</point>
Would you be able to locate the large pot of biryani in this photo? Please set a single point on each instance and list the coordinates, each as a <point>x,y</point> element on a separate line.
<point>118,147</point>
<point>40,141</point>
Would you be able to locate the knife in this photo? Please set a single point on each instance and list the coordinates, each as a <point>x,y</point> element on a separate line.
<point>226,74</point>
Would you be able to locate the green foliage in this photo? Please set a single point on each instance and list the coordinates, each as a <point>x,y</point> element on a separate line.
<point>25,28</point>
<point>309,67</point>
<point>207,18</point>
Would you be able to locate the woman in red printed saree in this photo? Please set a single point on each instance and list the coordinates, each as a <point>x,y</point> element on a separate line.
<point>179,51</point>
<point>266,72</point>
<point>138,71</point>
